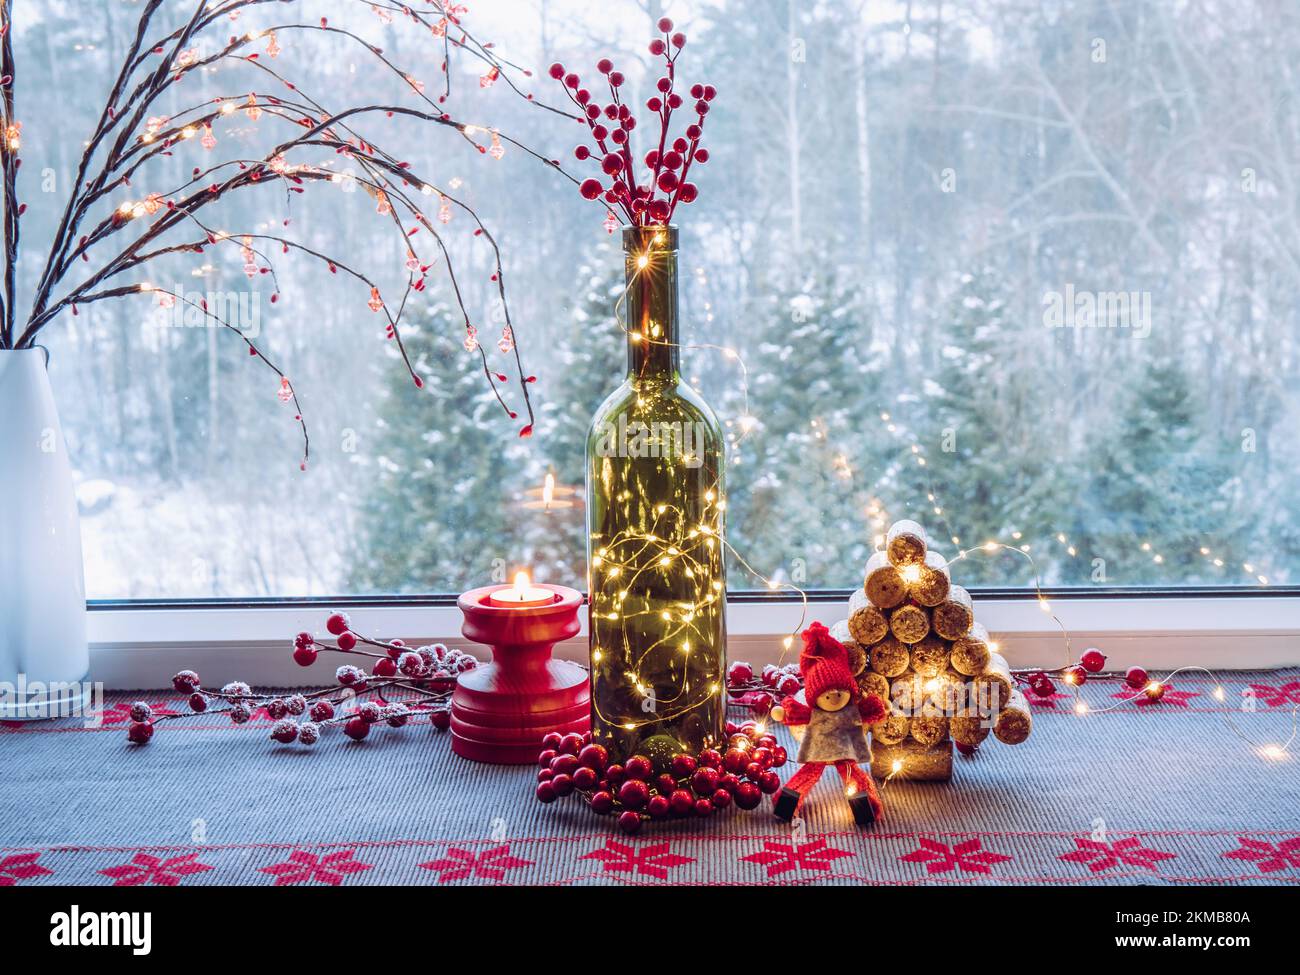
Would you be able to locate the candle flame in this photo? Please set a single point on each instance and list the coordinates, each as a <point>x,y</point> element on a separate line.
<point>522,582</point>
<point>548,490</point>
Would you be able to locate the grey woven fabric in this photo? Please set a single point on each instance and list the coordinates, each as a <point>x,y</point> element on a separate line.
<point>1163,794</point>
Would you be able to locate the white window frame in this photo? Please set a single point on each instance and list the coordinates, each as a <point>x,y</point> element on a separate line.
<point>140,647</point>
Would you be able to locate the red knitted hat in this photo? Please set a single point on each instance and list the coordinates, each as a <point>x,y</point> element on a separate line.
<point>825,665</point>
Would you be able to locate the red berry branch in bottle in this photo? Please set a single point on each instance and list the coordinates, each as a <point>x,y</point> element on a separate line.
<point>425,677</point>
<point>685,786</point>
<point>654,197</point>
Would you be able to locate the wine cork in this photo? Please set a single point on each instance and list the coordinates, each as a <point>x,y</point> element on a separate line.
<point>892,730</point>
<point>931,583</point>
<point>907,693</point>
<point>970,653</point>
<point>870,682</point>
<point>857,659</point>
<point>909,623</point>
<point>930,656</point>
<point>857,653</point>
<point>882,582</point>
<point>905,543</point>
<point>839,630</point>
<point>994,687</point>
<point>1013,722</point>
<point>946,691</point>
<point>969,726</point>
<point>913,761</point>
<point>929,728</point>
<point>867,624</point>
<point>889,657</point>
<point>952,618</point>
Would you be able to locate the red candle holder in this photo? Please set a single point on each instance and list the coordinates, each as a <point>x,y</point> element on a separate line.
<point>501,710</point>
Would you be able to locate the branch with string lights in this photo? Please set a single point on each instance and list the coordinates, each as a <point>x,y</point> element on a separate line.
<point>139,231</point>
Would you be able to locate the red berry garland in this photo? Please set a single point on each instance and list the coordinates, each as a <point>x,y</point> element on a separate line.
<point>686,785</point>
<point>425,675</point>
<point>653,196</point>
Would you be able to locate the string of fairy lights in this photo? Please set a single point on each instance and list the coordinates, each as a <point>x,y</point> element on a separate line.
<point>1154,688</point>
<point>878,518</point>
<point>698,551</point>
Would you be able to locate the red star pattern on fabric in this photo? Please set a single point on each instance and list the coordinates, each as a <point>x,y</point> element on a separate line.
<point>780,857</point>
<point>1275,696</point>
<point>1178,699</point>
<point>121,713</point>
<point>461,864</point>
<point>967,857</point>
<point>146,869</point>
<point>1267,857</point>
<point>303,867</point>
<point>21,866</point>
<point>654,860</point>
<point>1048,702</point>
<point>1102,856</point>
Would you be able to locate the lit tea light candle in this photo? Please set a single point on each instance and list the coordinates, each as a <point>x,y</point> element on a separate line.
<point>522,593</point>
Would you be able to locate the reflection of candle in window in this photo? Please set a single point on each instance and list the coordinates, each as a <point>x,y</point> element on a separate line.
<point>522,593</point>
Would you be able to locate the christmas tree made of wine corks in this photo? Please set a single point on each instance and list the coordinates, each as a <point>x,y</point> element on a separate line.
<point>913,639</point>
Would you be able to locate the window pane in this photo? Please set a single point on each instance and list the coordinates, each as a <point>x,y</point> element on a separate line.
<point>1027,274</point>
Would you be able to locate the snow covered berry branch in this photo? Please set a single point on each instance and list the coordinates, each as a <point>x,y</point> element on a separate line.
<point>118,239</point>
<point>402,683</point>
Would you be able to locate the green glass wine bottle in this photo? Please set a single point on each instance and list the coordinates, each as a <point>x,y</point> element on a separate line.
<point>655,516</point>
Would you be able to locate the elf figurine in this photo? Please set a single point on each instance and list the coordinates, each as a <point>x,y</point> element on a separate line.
<point>836,717</point>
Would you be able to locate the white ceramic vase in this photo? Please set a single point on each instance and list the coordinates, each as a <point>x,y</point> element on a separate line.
<point>43,654</point>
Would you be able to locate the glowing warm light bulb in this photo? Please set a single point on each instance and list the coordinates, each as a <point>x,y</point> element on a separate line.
<point>1273,752</point>
<point>910,573</point>
<point>1080,707</point>
<point>548,490</point>
<point>897,766</point>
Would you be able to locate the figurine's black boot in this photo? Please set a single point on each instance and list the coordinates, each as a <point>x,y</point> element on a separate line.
<point>786,804</point>
<point>860,805</point>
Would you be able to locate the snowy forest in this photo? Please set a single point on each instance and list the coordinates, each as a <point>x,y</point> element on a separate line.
<point>1025,271</point>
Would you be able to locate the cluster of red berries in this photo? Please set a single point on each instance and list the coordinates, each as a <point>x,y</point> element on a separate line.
<point>426,674</point>
<point>759,693</point>
<point>611,125</point>
<point>686,785</point>
<point>1091,663</point>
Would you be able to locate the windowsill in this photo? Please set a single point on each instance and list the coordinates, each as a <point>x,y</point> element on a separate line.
<point>141,646</point>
